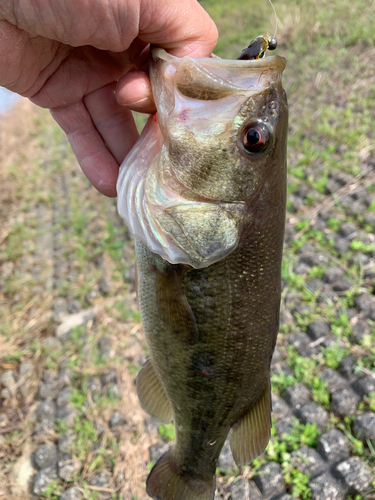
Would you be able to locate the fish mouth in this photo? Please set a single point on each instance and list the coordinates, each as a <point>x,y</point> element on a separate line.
<point>269,62</point>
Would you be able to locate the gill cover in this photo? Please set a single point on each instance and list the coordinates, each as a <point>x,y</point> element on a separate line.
<point>197,100</point>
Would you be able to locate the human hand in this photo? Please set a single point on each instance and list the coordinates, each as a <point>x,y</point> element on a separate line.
<point>69,55</point>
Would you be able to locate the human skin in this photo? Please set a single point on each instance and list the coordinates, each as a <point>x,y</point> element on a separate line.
<point>86,60</point>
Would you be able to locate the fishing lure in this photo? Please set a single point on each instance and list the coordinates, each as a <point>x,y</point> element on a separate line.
<point>258,46</point>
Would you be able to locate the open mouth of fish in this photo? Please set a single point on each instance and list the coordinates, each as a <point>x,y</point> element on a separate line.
<point>170,193</point>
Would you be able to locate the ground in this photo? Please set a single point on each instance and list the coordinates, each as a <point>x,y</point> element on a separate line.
<point>70,334</point>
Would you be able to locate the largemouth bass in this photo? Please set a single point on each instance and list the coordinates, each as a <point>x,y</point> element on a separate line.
<point>204,193</point>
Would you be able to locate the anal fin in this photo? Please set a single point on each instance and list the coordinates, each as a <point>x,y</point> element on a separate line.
<point>152,394</point>
<point>165,483</point>
<point>250,435</point>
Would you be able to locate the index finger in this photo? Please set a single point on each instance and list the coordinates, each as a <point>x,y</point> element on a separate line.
<point>182,28</point>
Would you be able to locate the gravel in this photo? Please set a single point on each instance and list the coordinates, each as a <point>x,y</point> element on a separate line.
<point>71,494</point>
<point>43,479</point>
<point>365,303</point>
<point>49,390</point>
<point>100,480</point>
<point>326,487</point>
<point>299,341</point>
<point>318,329</point>
<point>45,456</point>
<point>344,402</point>
<point>109,377</point>
<point>8,380</point>
<point>25,368</point>
<point>364,385</point>
<point>269,480</point>
<point>332,379</point>
<point>117,419</point>
<point>333,446</point>
<point>356,475</point>
<point>67,467</point>
<point>279,407</point>
<point>364,426</point>
<point>242,488</point>
<point>63,397</point>
<point>297,395</point>
<point>65,442</point>
<point>71,321</point>
<point>314,414</point>
<point>68,414</point>
<point>308,461</point>
<point>45,410</point>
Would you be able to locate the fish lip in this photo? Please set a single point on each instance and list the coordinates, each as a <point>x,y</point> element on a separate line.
<point>271,62</point>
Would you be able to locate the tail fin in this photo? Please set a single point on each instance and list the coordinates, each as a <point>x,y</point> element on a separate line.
<point>165,483</point>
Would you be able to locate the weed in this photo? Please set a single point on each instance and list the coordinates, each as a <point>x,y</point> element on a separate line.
<point>334,224</point>
<point>356,444</point>
<point>360,246</point>
<point>298,481</point>
<point>302,435</point>
<point>78,398</point>
<point>281,381</point>
<point>371,401</point>
<point>166,432</point>
<point>15,356</point>
<point>333,355</point>
<point>316,272</point>
<point>53,491</point>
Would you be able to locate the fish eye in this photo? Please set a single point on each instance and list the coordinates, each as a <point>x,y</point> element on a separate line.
<point>255,137</point>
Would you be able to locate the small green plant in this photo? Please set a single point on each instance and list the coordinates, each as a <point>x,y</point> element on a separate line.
<point>333,355</point>
<point>371,401</point>
<point>78,398</point>
<point>302,435</point>
<point>166,432</point>
<point>357,445</point>
<point>360,246</point>
<point>320,392</point>
<point>53,491</point>
<point>298,481</point>
<point>333,224</point>
<point>316,272</point>
<point>340,325</point>
<point>281,381</point>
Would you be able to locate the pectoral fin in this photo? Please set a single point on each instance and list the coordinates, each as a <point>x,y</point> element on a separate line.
<point>152,394</point>
<point>250,435</point>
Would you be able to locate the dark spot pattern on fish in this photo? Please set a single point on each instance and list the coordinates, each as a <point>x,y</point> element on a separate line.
<point>204,362</point>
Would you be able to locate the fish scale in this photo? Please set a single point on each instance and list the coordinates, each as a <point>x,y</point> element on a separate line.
<point>210,309</point>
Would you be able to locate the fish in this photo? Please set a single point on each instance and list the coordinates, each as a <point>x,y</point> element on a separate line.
<point>203,191</point>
